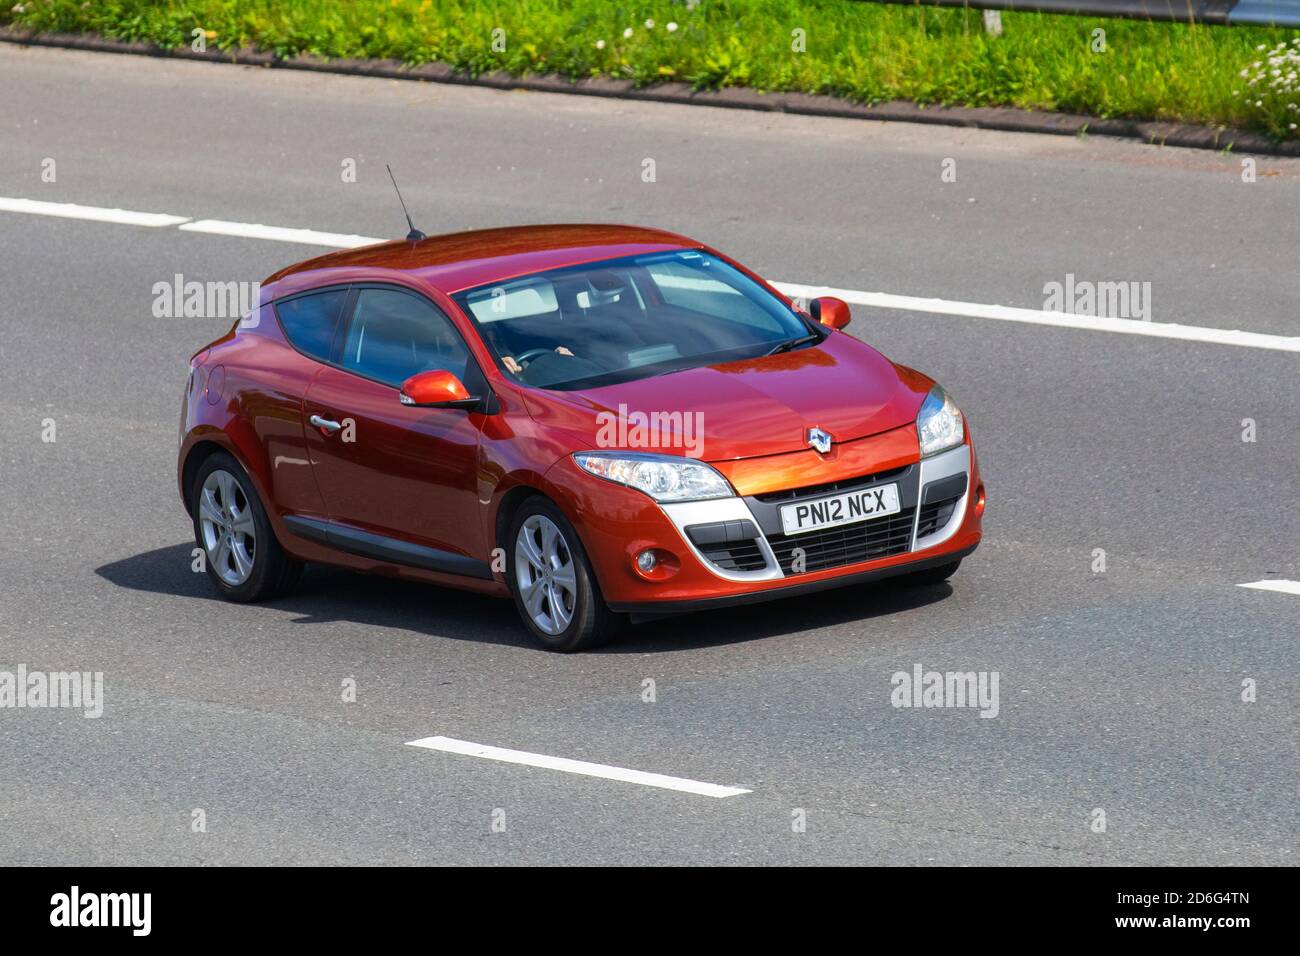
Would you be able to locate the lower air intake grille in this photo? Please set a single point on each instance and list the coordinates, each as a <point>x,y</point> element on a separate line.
<point>730,545</point>
<point>742,556</point>
<point>935,516</point>
<point>847,544</point>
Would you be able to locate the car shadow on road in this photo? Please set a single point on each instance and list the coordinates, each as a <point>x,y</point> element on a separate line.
<point>821,609</point>
<point>327,595</point>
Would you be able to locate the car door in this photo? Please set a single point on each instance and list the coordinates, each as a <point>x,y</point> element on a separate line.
<point>275,384</point>
<point>393,474</point>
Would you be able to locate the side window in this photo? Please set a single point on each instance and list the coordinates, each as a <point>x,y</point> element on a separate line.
<point>310,321</point>
<point>691,288</point>
<point>395,334</point>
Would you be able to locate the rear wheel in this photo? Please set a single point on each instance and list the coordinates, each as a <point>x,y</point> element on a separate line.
<point>935,575</point>
<point>554,588</point>
<point>242,556</point>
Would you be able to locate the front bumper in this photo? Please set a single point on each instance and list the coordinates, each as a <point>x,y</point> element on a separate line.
<point>792,590</point>
<point>732,550</point>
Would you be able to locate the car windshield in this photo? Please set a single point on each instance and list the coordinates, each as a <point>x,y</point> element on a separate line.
<point>629,318</point>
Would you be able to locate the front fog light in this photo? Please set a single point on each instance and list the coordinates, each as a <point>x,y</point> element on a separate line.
<point>938,423</point>
<point>647,561</point>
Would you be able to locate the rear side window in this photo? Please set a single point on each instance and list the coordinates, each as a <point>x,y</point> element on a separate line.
<point>310,321</point>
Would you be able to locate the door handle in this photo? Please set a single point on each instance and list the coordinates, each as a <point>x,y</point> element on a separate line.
<point>325,423</point>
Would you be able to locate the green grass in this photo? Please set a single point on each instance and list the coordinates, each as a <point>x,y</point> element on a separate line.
<point>865,52</point>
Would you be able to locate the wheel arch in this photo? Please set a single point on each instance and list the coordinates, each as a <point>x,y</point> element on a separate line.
<point>203,444</point>
<point>558,493</point>
<point>510,503</point>
<point>200,452</point>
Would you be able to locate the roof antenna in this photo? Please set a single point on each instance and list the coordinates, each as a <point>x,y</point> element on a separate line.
<point>415,235</point>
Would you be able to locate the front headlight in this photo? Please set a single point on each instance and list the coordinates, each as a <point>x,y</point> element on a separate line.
<point>938,423</point>
<point>662,477</point>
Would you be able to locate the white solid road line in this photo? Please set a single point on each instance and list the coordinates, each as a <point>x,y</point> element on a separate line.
<point>877,300</point>
<point>452,746</point>
<point>67,210</point>
<point>1274,584</point>
<point>253,230</point>
<point>976,310</point>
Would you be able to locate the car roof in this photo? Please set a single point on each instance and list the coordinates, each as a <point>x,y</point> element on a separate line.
<point>462,260</point>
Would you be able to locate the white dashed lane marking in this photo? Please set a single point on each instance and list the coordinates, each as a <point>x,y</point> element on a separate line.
<point>876,300</point>
<point>1280,585</point>
<point>67,210</point>
<point>465,748</point>
<point>1061,320</point>
<point>254,230</point>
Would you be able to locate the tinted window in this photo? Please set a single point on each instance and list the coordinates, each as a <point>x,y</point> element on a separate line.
<point>395,334</point>
<point>310,321</point>
<point>688,286</point>
<point>627,318</point>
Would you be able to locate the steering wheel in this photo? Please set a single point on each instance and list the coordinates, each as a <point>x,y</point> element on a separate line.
<point>523,358</point>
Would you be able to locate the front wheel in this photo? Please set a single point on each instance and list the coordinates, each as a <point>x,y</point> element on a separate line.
<point>550,577</point>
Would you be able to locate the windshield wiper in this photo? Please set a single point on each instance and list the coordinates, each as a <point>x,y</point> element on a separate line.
<point>794,343</point>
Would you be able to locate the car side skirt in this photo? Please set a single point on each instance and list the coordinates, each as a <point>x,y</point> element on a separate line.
<point>380,547</point>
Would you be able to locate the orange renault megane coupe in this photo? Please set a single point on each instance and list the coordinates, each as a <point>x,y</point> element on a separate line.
<point>599,421</point>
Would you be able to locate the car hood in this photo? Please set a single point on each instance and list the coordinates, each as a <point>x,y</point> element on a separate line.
<point>743,409</point>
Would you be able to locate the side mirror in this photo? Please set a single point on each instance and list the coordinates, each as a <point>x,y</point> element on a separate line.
<point>830,311</point>
<point>436,389</point>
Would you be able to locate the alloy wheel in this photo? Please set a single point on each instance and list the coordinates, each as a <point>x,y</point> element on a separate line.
<point>229,532</point>
<point>545,573</point>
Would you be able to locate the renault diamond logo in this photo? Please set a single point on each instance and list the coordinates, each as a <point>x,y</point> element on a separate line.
<point>820,440</point>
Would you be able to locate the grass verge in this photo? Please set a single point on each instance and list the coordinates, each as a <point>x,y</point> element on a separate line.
<point>1219,76</point>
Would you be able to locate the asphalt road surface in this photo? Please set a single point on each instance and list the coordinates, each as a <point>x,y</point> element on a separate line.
<point>1120,690</point>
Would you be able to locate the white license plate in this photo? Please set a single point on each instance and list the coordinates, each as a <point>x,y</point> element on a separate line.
<point>848,508</point>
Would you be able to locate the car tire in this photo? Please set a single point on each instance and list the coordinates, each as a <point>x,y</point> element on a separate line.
<point>540,536</point>
<point>241,553</point>
<point>935,575</point>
